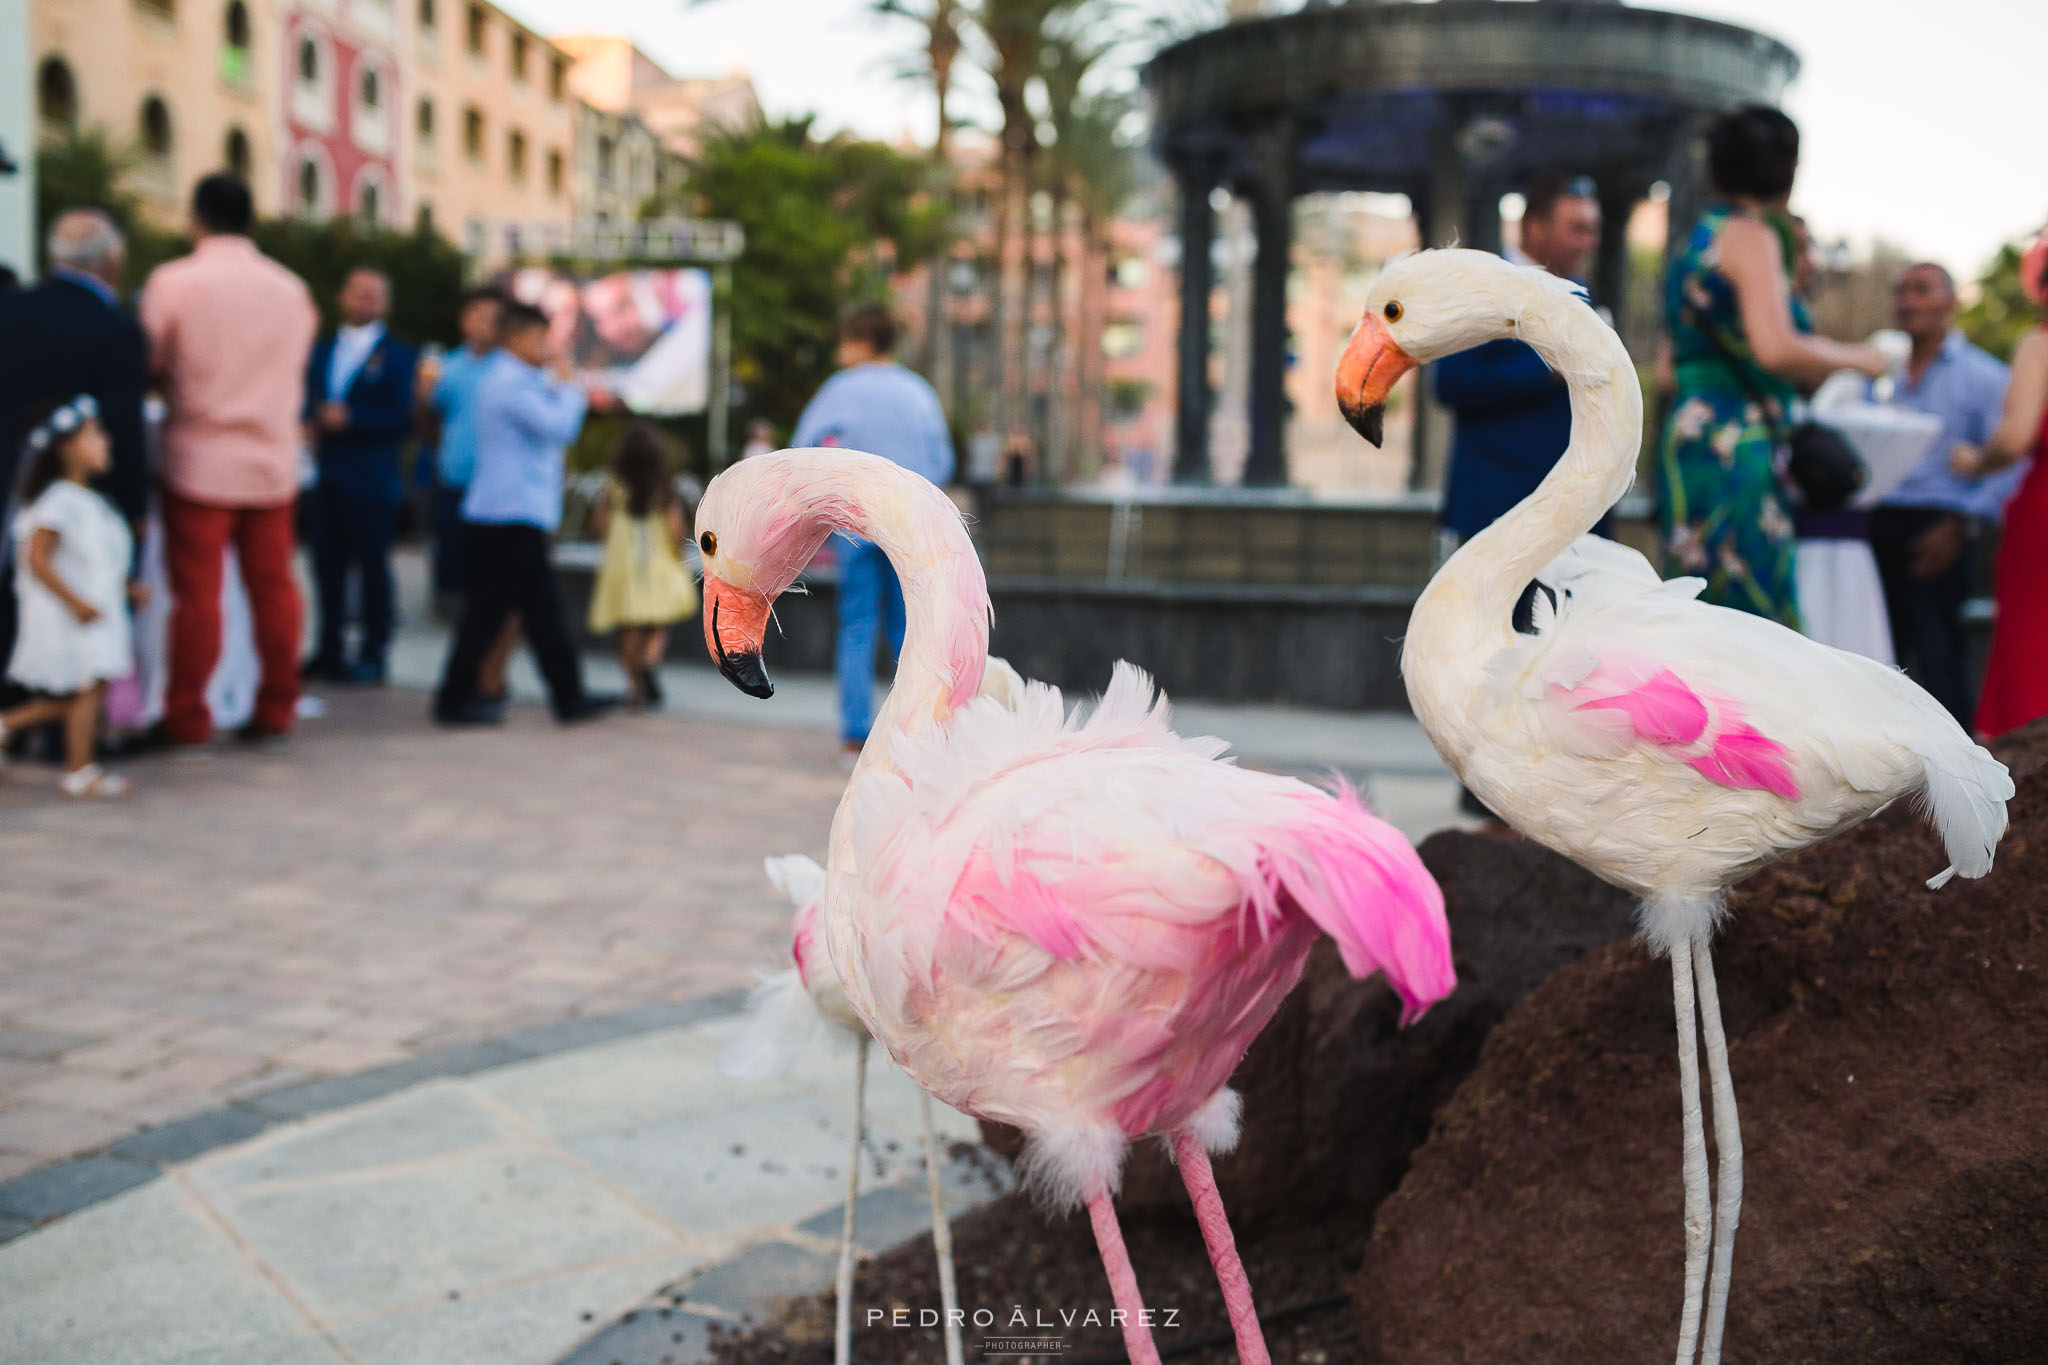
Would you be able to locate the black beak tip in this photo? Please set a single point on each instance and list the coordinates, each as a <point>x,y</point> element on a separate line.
<point>744,671</point>
<point>1371,423</point>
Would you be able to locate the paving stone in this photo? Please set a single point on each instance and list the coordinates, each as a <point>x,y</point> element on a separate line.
<point>881,1218</point>
<point>362,1244</point>
<point>141,1280</point>
<point>433,1121</point>
<point>39,1044</point>
<point>649,1335</point>
<point>753,1283</point>
<point>69,1186</point>
<point>46,1132</point>
<point>706,1172</point>
<point>534,1321</point>
<point>178,1142</point>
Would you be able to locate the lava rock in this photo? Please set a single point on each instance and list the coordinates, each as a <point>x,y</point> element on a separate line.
<point>1888,1045</point>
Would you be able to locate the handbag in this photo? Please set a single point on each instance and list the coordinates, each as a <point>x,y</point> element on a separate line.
<point>1820,464</point>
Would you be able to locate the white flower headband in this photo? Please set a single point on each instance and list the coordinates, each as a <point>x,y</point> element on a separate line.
<point>62,422</point>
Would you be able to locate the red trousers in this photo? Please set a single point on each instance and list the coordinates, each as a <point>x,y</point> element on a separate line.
<point>196,537</point>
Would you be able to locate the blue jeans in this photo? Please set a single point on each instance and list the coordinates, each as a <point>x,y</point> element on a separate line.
<point>870,599</point>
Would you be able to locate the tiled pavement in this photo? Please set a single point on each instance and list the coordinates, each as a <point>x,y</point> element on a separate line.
<point>252,921</point>
<point>510,1217</point>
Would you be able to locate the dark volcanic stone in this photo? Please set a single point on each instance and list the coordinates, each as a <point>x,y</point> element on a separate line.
<point>1888,1046</point>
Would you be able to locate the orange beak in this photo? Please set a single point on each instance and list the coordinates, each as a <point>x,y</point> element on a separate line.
<point>1371,365</point>
<point>735,620</point>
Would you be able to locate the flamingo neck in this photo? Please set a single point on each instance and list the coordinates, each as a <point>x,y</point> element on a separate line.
<point>945,599</point>
<point>1466,613</point>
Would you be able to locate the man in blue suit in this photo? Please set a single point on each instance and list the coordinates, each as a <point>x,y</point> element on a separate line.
<point>359,411</point>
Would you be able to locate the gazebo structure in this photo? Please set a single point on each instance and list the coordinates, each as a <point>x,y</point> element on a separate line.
<point>1453,104</point>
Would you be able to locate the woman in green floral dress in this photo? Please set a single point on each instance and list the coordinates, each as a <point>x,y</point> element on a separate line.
<point>1740,360</point>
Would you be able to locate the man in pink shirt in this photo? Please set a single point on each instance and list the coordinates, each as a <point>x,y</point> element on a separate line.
<point>229,330</point>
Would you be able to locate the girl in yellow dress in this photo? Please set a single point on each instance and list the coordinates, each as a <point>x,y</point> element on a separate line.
<point>643,587</point>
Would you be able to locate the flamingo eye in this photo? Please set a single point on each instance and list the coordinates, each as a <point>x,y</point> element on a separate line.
<point>708,543</point>
<point>1392,311</point>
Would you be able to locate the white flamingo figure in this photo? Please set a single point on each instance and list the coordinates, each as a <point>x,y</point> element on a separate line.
<point>1073,927</point>
<point>788,1010</point>
<point>1668,746</point>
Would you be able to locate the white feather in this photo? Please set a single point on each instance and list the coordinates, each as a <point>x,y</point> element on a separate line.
<point>781,1021</point>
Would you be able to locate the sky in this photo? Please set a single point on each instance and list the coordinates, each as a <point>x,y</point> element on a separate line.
<point>1922,123</point>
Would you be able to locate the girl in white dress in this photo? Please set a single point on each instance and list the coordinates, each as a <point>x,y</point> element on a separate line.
<point>71,586</point>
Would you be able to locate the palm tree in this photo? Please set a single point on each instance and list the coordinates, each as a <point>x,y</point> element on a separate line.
<point>932,62</point>
<point>1015,32</point>
<point>1103,173</point>
<point>1069,55</point>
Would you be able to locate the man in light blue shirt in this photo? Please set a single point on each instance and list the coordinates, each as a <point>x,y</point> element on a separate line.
<point>452,398</point>
<point>872,404</point>
<point>1921,533</point>
<point>527,412</point>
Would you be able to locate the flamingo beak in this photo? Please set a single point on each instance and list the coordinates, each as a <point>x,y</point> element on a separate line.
<point>1370,366</point>
<point>735,620</point>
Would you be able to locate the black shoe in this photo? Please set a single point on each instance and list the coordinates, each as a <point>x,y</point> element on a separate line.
<point>589,708</point>
<point>323,668</point>
<point>364,673</point>
<point>650,689</point>
<point>476,713</point>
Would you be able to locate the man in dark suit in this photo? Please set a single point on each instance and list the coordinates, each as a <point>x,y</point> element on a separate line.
<point>359,411</point>
<point>70,335</point>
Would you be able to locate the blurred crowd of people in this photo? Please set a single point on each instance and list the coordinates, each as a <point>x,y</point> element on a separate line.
<point>1889,573</point>
<point>264,436</point>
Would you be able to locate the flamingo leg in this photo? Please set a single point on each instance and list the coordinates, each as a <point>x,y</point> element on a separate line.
<point>942,1237</point>
<point>1123,1281</point>
<point>1698,1215</point>
<point>1200,1179</point>
<point>842,1317</point>
<point>1728,1153</point>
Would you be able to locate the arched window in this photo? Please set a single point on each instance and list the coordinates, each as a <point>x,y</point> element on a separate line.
<point>426,13</point>
<point>423,221</point>
<point>235,25</point>
<point>515,154</point>
<point>57,94</point>
<point>309,60</point>
<point>424,122</point>
<point>604,159</point>
<point>309,186</point>
<point>236,152</point>
<point>156,128</point>
<point>373,89</point>
<point>368,205</point>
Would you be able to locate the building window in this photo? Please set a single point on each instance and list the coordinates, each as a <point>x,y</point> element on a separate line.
<point>309,187</point>
<point>373,90</point>
<point>57,95</point>
<point>309,61</point>
<point>605,158</point>
<point>423,122</point>
<point>368,206</point>
<point>558,78</point>
<point>1121,340</point>
<point>156,129</point>
<point>473,132</point>
<point>163,9</point>
<point>554,172</point>
<point>519,46</point>
<point>236,152</point>
<point>477,20</point>
<point>427,14</point>
<point>515,154</point>
<point>234,48</point>
<point>423,221</point>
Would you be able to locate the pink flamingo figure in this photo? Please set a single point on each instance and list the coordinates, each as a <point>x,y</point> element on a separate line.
<point>1668,746</point>
<point>1072,926</point>
<point>789,1009</point>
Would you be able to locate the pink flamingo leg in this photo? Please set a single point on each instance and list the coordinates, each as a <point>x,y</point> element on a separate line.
<point>1123,1281</point>
<point>1237,1289</point>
